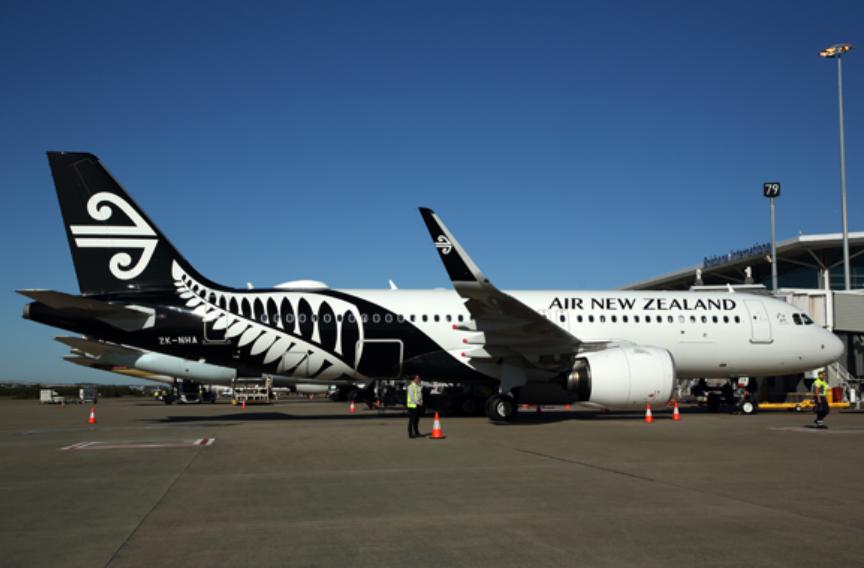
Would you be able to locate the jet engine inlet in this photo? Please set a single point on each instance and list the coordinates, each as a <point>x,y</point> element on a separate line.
<point>579,380</point>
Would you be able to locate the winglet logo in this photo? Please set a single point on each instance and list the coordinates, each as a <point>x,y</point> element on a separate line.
<point>121,263</point>
<point>444,245</point>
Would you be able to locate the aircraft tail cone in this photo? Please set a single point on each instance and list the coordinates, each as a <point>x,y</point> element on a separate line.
<point>92,416</point>
<point>675,414</point>
<point>436,429</point>
<point>352,407</point>
<point>648,417</point>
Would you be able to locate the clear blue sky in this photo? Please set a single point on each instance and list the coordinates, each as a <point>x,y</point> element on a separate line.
<point>567,145</point>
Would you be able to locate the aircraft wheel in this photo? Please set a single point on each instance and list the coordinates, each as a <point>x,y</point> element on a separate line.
<point>748,407</point>
<point>502,407</point>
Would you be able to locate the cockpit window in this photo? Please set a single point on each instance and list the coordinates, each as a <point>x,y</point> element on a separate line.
<point>807,320</point>
<point>796,318</point>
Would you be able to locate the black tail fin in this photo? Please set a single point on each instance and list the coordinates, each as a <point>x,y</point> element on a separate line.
<point>115,246</point>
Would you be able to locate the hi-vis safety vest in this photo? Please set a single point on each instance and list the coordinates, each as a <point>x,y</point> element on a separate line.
<point>415,395</point>
<point>821,385</point>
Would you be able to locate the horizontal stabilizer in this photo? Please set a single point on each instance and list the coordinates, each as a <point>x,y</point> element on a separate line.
<point>95,348</point>
<point>127,318</point>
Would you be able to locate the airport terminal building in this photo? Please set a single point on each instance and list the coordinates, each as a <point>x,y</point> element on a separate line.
<point>810,274</point>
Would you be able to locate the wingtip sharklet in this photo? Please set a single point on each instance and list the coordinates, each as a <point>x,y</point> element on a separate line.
<point>456,261</point>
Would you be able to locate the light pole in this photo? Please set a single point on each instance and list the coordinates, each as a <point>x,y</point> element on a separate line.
<point>832,52</point>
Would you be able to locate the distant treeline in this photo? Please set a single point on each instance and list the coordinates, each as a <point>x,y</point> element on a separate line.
<point>71,392</point>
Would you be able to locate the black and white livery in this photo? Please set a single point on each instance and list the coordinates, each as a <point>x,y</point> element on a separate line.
<point>603,349</point>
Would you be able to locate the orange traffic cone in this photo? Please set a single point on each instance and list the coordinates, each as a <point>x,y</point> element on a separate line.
<point>648,417</point>
<point>62,404</point>
<point>92,416</point>
<point>352,406</point>
<point>675,414</point>
<point>244,404</point>
<point>436,429</point>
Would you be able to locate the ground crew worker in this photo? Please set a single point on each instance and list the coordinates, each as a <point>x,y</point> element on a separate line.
<point>415,407</point>
<point>820,387</point>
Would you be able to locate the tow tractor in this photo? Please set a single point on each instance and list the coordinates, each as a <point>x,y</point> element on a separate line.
<point>743,396</point>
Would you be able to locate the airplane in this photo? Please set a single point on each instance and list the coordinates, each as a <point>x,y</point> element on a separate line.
<point>601,349</point>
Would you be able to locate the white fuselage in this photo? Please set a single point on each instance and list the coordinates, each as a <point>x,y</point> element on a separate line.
<point>708,334</point>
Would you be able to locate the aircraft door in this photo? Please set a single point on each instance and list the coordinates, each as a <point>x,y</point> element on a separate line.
<point>213,336</point>
<point>380,358</point>
<point>760,325</point>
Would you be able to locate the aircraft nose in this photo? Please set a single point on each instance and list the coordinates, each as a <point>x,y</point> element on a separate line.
<point>832,347</point>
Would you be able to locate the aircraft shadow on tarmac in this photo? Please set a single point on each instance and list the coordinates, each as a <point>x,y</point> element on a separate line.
<point>525,418</point>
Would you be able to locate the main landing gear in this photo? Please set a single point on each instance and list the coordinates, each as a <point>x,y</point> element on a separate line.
<point>501,407</point>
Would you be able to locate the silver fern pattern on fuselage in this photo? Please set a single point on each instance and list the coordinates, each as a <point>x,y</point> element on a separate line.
<point>281,329</point>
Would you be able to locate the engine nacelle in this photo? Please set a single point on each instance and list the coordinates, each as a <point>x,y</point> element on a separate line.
<point>623,376</point>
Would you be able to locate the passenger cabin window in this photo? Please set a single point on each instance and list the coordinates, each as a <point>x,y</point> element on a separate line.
<point>425,318</point>
<point>459,318</point>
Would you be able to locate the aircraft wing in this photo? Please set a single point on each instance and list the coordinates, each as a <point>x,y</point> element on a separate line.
<point>502,322</point>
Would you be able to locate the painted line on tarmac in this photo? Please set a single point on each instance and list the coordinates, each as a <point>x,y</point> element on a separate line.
<point>136,446</point>
<point>814,430</point>
<point>91,429</point>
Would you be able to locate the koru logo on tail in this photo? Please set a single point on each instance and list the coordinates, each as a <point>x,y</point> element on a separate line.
<point>444,245</point>
<point>117,236</point>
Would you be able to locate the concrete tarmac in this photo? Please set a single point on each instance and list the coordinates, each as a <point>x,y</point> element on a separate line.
<point>305,483</point>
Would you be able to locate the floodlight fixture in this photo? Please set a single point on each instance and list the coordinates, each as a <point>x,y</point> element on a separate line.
<point>835,50</point>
